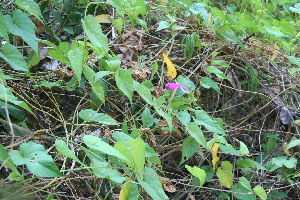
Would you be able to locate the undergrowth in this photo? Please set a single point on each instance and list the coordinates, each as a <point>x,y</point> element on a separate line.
<point>134,99</point>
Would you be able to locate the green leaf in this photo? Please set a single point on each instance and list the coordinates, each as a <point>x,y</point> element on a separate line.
<point>147,118</point>
<point>31,7</point>
<point>197,172</point>
<point>13,57</point>
<point>240,192</point>
<point>137,151</point>
<point>94,32</point>
<point>244,149</point>
<point>184,117</point>
<point>97,144</point>
<point>279,162</point>
<point>163,25</point>
<point>216,71</point>
<point>225,174</point>
<point>64,150</point>
<point>248,163</point>
<point>295,9</point>
<point>76,59</point>
<point>245,183</point>
<point>186,82</point>
<point>195,131</point>
<point>122,147</point>
<point>90,115</point>
<point>20,24</point>
<point>129,191</point>
<point>97,88</point>
<point>199,8</point>
<point>294,60</point>
<point>152,184</point>
<point>35,157</point>
<point>203,119</point>
<point>292,144</point>
<point>104,170</point>
<point>6,160</point>
<point>189,148</point>
<point>145,93</point>
<point>3,29</point>
<point>209,83</point>
<point>118,24</point>
<point>259,191</point>
<point>7,95</point>
<point>124,82</point>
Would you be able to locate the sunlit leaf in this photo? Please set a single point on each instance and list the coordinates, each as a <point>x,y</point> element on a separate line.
<point>31,7</point>
<point>90,115</point>
<point>259,191</point>
<point>225,174</point>
<point>197,172</point>
<point>35,157</point>
<point>129,191</point>
<point>13,57</point>
<point>20,24</point>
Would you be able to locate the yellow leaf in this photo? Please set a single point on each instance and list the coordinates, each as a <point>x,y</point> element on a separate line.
<point>163,2</point>
<point>274,52</point>
<point>214,152</point>
<point>103,18</point>
<point>171,69</point>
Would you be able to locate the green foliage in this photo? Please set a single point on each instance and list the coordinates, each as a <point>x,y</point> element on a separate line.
<point>35,157</point>
<point>130,159</point>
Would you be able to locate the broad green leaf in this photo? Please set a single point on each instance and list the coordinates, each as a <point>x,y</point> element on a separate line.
<point>20,24</point>
<point>292,144</point>
<point>240,192</point>
<point>97,144</point>
<point>223,63</point>
<point>13,57</point>
<point>137,151</point>
<point>90,115</point>
<point>3,29</point>
<point>244,149</point>
<point>209,83</point>
<point>225,174</point>
<point>145,93</point>
<point>199,8</point>
<point>216,71</point>
<point>94,32</point>
<point>195,131</point>
<point>259,191</point>
<point>295,9</point>
<point>278,162</point>
<point>147,118</point>
<point>129,191</point>
<point>124,82</point>
<point>104,170</point>
<point>76,59</point>
<point>97,88</point>
<point>184,117</point>
<point>248,163</point>
<point>163,25</point>
<point>101,74</point>
<point>203,119</point>
<point>6,160</point>
<point>7,95</point>
<point>186,82</point>
<point>64,150</point>
<point>228,148</point>
<point>35,157</point>
<point>152,185</point>
<point>243,181</point>
<point>189,148</point>
<point>197,172</point>
<point>31,7</point>
<point>122,147</point>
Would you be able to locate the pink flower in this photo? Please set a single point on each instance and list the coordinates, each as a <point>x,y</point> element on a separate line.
<point>173,86</point>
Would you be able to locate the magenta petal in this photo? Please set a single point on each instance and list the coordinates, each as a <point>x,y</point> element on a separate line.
<point>173,86</point>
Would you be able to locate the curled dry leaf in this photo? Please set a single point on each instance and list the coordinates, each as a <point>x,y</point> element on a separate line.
<point>169,187</point>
